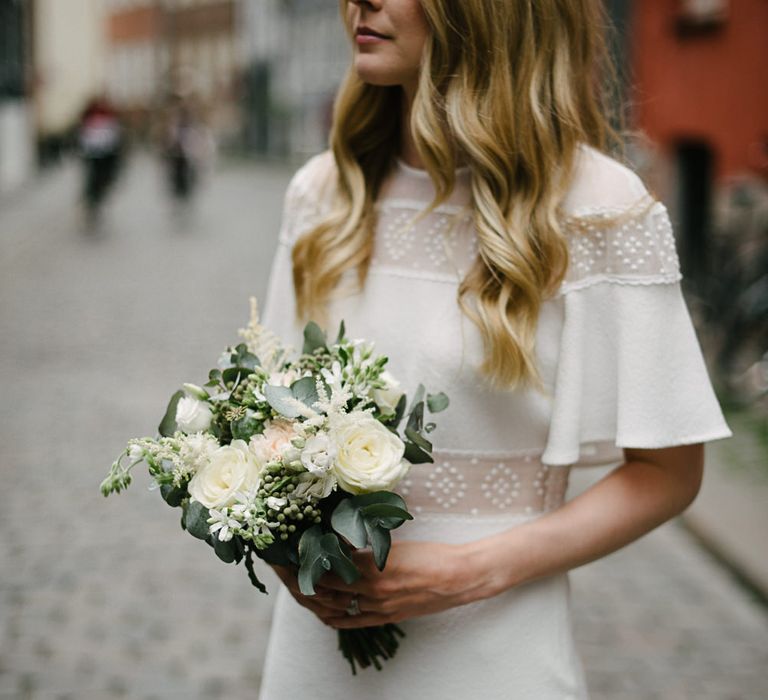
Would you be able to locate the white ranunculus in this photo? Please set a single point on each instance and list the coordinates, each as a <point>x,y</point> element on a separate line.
<point>231,469</point>
<point>314,486</point>
<point>318,454</point>
<point>193,415</point>
<point>369,457</point>
<point>388,397</point>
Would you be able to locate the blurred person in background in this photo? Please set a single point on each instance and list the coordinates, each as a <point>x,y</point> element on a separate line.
<point>100,141</point>
<point>188,147</point>
<point>470,220</point>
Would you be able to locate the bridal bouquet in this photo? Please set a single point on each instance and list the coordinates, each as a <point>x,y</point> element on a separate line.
<point>291,458</point>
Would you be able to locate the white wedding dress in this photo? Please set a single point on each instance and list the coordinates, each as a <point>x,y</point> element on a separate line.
<point>621,367</point>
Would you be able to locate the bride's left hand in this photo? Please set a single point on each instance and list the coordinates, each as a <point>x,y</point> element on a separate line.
<point>419,578</point>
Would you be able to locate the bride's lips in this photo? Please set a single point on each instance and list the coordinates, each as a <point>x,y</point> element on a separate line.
<point>366,35</point>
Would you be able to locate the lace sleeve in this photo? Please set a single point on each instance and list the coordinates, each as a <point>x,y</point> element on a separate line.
<point>633,246</point>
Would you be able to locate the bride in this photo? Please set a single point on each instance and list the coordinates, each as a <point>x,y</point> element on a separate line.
<point>469,220</point>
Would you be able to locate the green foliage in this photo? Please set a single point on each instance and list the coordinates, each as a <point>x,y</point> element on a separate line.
<point>368,518</point>
<point>314,339</point>
<point>320,552</point>
<point>437,402</point>
<point>168,425</point>
<point>244,428</point>
<point>228,552</point>
<point>172,495</point>
<point>282,399</point>
<point>196,520</point>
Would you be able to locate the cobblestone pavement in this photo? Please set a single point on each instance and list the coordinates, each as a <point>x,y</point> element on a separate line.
<point>107,599</point>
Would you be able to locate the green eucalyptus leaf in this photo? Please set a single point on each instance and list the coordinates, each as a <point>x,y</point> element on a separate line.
<point>196,520</point>
<point>320,552</point>
<point>416,417</point>
<point>244,428</point>
<point>347,520</point>
<point>235,374</point>
<point>415,455</point>
<point>386,513</point>
<point>437,402</point>
<point>242,357</point>
<point>314,338</point>
<point>225,551</point>
<point>418,397</point>
<point>305,390</point>
<point>399,412</point>
<point>368,518</point>
<point>172,495</point>
<point>381,541</point>
<point>168,425</point>
<point>282,400</point>
<point>418,439</point>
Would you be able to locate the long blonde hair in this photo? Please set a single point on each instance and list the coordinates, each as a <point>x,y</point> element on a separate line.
<point>510,89</point>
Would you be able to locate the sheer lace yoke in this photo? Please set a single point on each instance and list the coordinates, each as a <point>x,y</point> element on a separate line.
<point>458,484</point>
<point>625,242</point>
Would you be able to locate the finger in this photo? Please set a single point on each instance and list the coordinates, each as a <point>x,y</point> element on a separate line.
<point>333,583</point>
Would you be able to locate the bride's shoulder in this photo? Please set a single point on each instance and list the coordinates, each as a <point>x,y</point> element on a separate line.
<point>314,180</point>
<point>615,229</point>
<point>600,183</point>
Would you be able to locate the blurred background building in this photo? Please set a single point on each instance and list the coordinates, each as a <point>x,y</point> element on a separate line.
<point>262,75</point>
<point>16,112</point>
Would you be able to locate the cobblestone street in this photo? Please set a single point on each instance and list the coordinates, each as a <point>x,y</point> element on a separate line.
<point>108,598</point>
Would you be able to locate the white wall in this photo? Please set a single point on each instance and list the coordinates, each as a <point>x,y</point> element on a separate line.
<point>70,59</point>
<point>16,144</point>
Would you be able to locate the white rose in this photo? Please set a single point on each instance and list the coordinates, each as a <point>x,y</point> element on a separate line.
<point>369,457</point>
<point>318,454</point>
<point>193,415</point>
<point>388,397</point>
<point>232,468</point>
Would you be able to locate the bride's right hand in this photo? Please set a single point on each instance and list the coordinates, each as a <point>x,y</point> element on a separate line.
<point>325,607</point>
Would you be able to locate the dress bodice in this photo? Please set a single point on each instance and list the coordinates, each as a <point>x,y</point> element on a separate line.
<point>616,350</point>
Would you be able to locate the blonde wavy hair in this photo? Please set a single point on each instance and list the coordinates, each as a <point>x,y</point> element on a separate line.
<point>510,89</point>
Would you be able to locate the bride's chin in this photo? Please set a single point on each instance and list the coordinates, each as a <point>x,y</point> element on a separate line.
<point>373,73</point>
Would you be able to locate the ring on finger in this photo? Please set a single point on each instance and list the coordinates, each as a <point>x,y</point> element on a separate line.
<point>354,606</point>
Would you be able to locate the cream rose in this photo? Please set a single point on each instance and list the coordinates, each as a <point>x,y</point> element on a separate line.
<point>368,456</point>
<point>388,397</point>
<point>231,468</point>
<point>193,415</point>
<point>274,441</point>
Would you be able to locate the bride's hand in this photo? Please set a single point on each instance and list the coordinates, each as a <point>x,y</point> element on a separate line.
<point>325,607</point>
<point>419,578</point>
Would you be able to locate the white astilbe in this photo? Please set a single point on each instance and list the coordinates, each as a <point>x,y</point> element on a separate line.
<point>262,342</point>
<point>340,393</point>
<point>194,453</point>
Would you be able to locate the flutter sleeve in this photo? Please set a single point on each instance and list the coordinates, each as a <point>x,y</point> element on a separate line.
<point>630,371</point>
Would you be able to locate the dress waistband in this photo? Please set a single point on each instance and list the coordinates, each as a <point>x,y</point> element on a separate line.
<point>484,486</point>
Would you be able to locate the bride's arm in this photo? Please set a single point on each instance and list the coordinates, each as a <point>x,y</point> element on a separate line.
<point>651,487</point>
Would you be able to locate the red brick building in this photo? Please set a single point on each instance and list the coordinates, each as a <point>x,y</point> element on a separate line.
<point>700,72</point>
